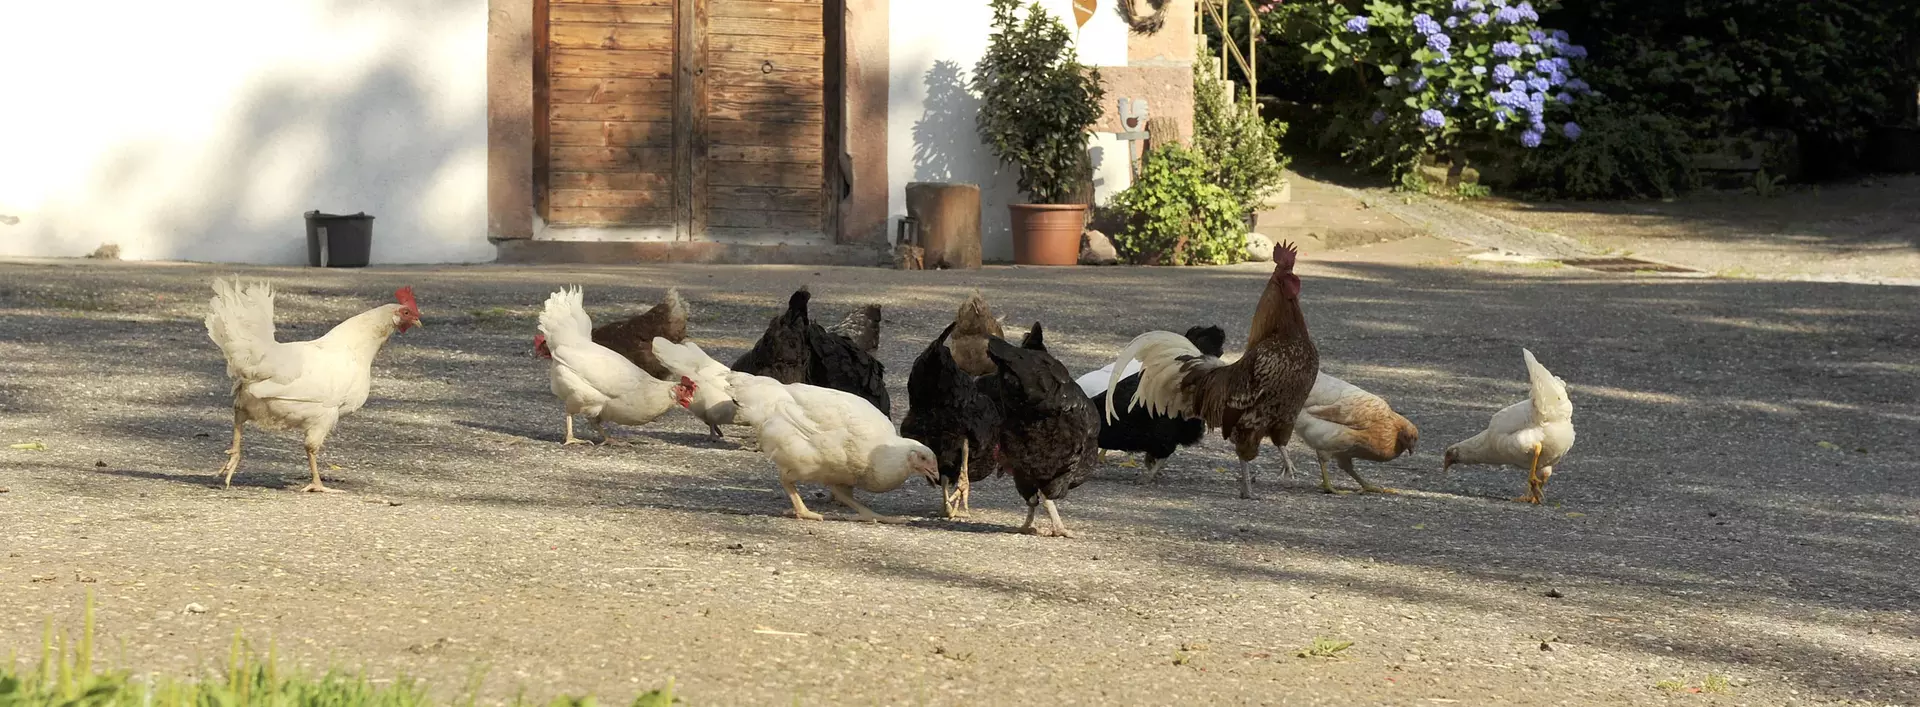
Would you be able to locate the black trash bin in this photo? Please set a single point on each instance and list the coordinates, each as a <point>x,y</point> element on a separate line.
<point>335,241</point>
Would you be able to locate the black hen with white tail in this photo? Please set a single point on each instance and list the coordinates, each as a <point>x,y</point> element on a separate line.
<point>1156,435</point>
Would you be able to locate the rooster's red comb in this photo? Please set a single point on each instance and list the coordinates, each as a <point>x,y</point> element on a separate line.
<point>1284,256</point>
<point>405,295</point>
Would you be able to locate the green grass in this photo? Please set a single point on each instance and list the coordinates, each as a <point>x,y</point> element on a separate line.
<point>67,676</point>
<point>1324,647</point>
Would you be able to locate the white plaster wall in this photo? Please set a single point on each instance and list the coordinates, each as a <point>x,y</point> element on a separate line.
<point>931,136</point>
<point>203,129</point>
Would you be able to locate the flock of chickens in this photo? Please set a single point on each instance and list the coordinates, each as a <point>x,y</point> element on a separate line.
<point>979,405</point>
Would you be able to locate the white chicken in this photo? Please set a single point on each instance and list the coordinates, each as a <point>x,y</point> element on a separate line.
<point>712,400</point>
<point>595,381</point>
<point>297,385</point>
<point>1342,422</point>
<point>829,437</point>
<point>1533,434</point>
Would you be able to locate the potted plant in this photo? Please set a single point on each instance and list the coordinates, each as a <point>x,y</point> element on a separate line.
<point>1038,103</point>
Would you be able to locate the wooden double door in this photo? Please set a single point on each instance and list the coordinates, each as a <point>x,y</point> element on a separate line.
<point>688,119</point>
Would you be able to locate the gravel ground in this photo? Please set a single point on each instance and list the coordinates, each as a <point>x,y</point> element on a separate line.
<point>1742,502</point>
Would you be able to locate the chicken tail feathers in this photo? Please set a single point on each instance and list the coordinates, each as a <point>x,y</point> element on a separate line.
<point>687,359</point>
<point>240,322</point>
<point>1548,392</point>
<point>1162,356</point>
<point>676,307</point>
<point>565,320</point>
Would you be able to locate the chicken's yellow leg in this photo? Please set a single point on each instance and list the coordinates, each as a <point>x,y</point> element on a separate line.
<point>947,496</point>
<point>570,438</point>
<point>844,494</point>
<point>1346,465</point>
<point>607,439</point>
<point>799,507</point>
<point>233,452</point>
<point>1059,528</point>
<point>1326,485</point>
<point>1533,478</point>
<point>313,464</point>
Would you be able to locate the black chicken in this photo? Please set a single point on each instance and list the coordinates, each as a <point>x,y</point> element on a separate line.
<point>1140,430</point>
<point>949,413</point>
<point>796,350</point>
<point>1049,430</point>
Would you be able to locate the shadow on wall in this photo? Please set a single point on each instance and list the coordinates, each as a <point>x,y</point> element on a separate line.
<point>386,132</point>
<point>947,148</point>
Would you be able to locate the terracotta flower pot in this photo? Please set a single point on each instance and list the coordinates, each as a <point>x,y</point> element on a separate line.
<point>1047,234</point>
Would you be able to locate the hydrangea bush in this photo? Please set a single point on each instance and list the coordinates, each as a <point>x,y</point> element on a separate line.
<point>1451,76</point>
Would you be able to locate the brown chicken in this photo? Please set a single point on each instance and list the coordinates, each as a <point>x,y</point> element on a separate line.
<point>972,326</point>
<point>1341,423</point>
<point>633,337</point>
<point>1257,397</point>
<point>862,327</point>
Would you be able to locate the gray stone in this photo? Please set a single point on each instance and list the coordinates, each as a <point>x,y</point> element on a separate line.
<point>1097,249</point>
<point>1259,248</point>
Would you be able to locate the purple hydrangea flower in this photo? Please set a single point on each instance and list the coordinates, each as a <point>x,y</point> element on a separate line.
<point>1453,22</point>
<point>1439,42</point>
<point>1571,130</point>
<point>1503,74</point>
<point>1424,24</point>
<point>1560,35</point>
<point>1508,15</point>
<point>1564,97</point>
<point>1462,5</point>
<point>1552,64</point>
<point>1432,118</point>
<point>1502,116</point>
<point>1578,86</point>
<point>1538,84</point>
<point>1481,70</point>
<point>1533,49</point>
<point>1418,85</point>
<point>1379,116</point>
<point>1530,138</point>
<point>1480,18</point>
<point>1556,78</point>
<point>1507,50</point>
<point>1527,12</point>
<point>1574,51</point>
<point>1537,36</point>
<point>1450,97</point>
<point>1444,56</point>
<point>1357,25</point>
<point>1517,85</point>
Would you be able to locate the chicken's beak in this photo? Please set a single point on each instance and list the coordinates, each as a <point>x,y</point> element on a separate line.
<point>932,472</point>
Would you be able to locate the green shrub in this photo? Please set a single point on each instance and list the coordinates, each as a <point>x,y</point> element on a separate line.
<point>1241,150</point>
<point>1442,77</point>
<point>1622,155</point>
<point>1174,214</point>
<point>1037,102</point>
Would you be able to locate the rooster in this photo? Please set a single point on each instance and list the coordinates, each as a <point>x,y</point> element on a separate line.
<point>1256,397</point>
<point>796,350</point>
<point>297,385</point>
<point>632,337</point>
<point>949,413</point>
<point>595,381</point>
<point>1049,430</point>
<point>1156,437</point>
<point>1341,422</point>
<point>1533,434</point>
<point>829,437</point>
<point>972,325</point>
